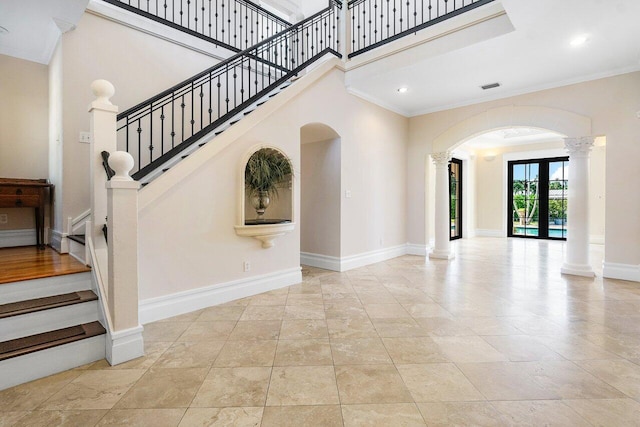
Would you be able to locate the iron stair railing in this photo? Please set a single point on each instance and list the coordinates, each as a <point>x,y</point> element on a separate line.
<point>233,24</point>
<point>377,22</point>
<point>161,127</point>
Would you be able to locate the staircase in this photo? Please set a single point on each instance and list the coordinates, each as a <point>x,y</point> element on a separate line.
<point>48,325</point>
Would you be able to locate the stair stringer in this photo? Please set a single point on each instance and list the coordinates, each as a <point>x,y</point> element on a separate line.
<point>164,183</point>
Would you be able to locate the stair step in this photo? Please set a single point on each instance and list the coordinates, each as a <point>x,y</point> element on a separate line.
<point>201,144</point>
<point>219,132</point>
<point>185,156</point>
<point>40,304</point>
<point>261,103</point>
<point>31,344</point>
<point>233,122</point>
<point>165,169</point>
<point>80,238</point>
<point>246,113</point>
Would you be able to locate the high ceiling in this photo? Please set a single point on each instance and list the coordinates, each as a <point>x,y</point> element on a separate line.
<point>32,27</point>
<point>535,54</point>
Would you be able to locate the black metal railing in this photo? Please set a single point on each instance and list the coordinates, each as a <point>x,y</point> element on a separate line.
<point>377,22</point>
<point>234,24</point>
<point>158,129</point>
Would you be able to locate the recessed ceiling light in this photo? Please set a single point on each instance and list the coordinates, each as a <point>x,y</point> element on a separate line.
<point>3,30</point>
<point>403,90</point>
<point>579,40</point>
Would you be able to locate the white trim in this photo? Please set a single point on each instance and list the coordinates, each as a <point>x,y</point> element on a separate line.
<point>482,232</point>
<point>584,270</point>
<point>415,249</point>
<point>11,238</point>
<point>19,370</point>
<point>125,345</point>
<point>596,239</point>
<point>360,260</point>
<point>320,261</point>
<point>377,101</point>
<point>613,270</point>
<point>45,287</point>
<point>156,29</point>
<point>166,306</point>
<point>78,223</point>
<point>48,320</point>
<point>59,241</point>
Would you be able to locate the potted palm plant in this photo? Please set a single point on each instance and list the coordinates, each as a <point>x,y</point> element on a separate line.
<point>265,171</point>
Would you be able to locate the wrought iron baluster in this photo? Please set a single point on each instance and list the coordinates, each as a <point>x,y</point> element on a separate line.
<point>151,132</point>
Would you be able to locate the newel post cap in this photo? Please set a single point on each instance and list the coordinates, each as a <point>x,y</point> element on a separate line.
<point>103,90</point>
<point>121,162</point>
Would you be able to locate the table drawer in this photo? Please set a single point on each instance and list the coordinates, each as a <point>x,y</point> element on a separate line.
<point>19,191</point>
<point>22,201</point>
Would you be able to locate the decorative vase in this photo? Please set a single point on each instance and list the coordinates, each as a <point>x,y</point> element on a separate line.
<point>260,202</point>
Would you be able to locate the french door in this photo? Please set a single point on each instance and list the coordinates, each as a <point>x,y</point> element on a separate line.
<point>455,198</point>
<point>537,193</point>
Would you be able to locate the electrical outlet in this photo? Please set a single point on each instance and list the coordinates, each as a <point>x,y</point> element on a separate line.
<point>246,266</point>
<point>4,218</point>
<point>347,194</point>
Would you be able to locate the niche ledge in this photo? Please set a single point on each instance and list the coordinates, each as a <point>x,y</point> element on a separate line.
<point>266,233</point>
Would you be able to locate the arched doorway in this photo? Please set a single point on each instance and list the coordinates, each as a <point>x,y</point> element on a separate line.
<point>562,123</point>
<point>320,190</point>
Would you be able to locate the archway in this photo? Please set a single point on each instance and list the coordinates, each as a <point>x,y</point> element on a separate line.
<point>320,189</point>
<point>563,123</point>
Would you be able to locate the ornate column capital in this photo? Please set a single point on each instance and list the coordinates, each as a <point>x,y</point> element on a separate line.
<point>442,158</point>
<point>582,144</point>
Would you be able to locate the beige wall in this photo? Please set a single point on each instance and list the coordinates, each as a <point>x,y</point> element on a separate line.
<point>187,237</point>
<point>320,198</point>
<point>23,128</point>
<point>138,64</point>
<point>610,103</point>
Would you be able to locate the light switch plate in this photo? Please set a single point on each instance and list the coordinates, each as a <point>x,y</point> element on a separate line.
<point>85,137</point>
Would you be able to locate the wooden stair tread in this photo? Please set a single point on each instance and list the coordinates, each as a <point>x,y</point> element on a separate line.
<point>39,304</point>
<point>80,238</point>
<point>25,345</point>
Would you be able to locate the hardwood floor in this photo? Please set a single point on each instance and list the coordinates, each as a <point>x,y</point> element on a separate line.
<point>28,262</point>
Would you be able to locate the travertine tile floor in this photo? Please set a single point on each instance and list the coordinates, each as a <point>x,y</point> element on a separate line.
<point>495,337</point>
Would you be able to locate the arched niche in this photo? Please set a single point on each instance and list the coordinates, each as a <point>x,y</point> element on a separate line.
<point>265,200</point>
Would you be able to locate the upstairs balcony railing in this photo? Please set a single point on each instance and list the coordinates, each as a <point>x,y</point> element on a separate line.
<point>234,24</point>
<point>159,128</point>
<point>377,22</point>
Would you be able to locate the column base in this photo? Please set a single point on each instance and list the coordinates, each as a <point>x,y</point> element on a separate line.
<point>584,270</point>
<point>436,254</point>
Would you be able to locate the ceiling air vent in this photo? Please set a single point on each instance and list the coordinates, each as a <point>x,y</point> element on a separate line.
<point>490,86</point>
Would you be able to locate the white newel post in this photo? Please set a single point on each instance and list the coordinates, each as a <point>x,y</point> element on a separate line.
<point>103,138</point>
<point>122,244</point>
<point>576,260</point>
<point>442,249</point>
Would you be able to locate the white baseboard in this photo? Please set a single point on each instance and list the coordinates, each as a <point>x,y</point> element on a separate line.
<point>480,232</point>
<point>413,249</point>
<point>59,242</point>
<point>126,345</point>
<point>612,270</point>
<point>159,308</point>
<point>360,260</point>
<point>320,261</point>
<point>12,238</point>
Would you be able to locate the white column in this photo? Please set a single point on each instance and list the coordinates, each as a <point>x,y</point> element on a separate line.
<point>122,244</point>
<point>442,249</point>
<point>576,260</point>
<point>103,138</point>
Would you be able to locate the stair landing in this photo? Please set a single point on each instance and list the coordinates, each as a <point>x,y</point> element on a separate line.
<point>28,262</point>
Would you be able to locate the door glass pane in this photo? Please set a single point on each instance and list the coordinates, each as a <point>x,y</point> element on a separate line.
<point>455,194</point>
<point>558,185</point>
<point>525,199</point>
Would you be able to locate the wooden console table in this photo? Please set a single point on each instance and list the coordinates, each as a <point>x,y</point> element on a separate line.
<point>27,193</point>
